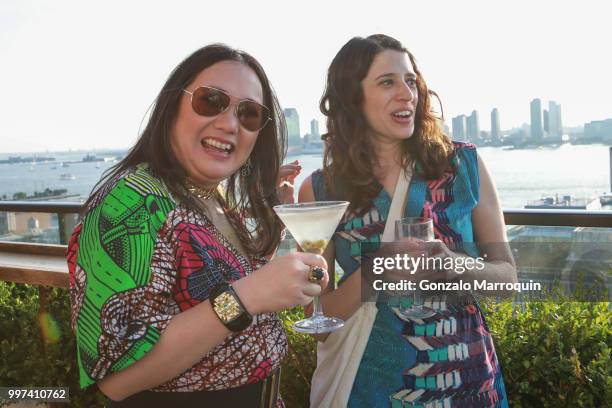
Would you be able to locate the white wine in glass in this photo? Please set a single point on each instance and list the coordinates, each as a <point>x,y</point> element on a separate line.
<point>420,229</point>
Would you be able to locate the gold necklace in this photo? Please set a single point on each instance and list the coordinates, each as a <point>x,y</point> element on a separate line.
<point>200,192</point>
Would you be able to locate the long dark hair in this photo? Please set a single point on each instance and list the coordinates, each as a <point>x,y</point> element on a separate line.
<point>348,161</point>
<point>253,194</point>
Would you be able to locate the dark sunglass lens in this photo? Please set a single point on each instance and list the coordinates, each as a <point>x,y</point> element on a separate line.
<point>252,115</point>
<point>209,102</point>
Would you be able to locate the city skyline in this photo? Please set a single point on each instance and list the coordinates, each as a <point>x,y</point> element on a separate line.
<point>93,85</point>
<point>468,127</point>
<point>544,125</point>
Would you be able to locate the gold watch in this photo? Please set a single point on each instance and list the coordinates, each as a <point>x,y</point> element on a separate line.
<point>229,309</point>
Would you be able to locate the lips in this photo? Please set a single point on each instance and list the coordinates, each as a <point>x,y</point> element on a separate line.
<point>218,145</point>
<point>403,115</point>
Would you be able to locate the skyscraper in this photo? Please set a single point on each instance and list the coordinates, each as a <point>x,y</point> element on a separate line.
<point>473,127</point>
<point>459,127</point>
<point>555,125</point>
<point>314,128</point>
<point>293,126</point>
<point>545,117</point>
<point>599,131</point>
<point>536,119</point>
<point>495,130</point>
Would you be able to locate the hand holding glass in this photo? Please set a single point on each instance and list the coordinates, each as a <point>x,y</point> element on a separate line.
<point>420,229</point>
<point>312,225</point>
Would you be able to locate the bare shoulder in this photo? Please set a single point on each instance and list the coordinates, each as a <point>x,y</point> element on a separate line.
<point>306,192</point>
<point>481,163</point>
<point>487,185</point>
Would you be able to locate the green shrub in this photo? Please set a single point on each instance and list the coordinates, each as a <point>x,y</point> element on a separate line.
<point>552,354</point>
<point>25,358</point>
<point>300,362</point>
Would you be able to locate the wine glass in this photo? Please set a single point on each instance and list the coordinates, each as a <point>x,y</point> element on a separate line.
<point>419,229</point>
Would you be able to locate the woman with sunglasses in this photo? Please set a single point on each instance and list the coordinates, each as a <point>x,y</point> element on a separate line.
<point>174,295</point>
<point>380,126</point>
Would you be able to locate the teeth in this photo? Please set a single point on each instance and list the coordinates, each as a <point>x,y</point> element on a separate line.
<point>403,114</point>
<point>217,144</point>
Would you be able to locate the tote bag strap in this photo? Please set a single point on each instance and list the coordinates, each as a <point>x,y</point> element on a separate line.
<point>339,357</point>
<point>397,204</point>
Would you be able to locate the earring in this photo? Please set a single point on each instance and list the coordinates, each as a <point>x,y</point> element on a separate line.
<point>245,170</point>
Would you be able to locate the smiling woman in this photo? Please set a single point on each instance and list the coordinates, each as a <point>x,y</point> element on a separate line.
<point>216,140</point>
<point>385,144</point>
<point>174,300</point>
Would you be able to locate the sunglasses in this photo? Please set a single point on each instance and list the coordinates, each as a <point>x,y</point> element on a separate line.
<point>208,101</point>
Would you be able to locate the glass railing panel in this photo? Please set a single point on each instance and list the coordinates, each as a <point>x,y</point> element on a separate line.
<point>578,260</point>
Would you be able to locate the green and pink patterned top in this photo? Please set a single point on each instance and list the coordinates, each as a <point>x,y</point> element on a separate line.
<point>137,259</point>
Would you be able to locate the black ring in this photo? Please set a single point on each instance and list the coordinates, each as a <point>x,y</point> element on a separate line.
<point>316,274</point>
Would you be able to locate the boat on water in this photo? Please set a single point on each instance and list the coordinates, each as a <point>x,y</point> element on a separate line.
<point>565,202</point>
<point>67,176</point>
<point>92,158</point>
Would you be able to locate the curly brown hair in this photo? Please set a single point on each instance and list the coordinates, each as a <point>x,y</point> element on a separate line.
<point>348,162</point>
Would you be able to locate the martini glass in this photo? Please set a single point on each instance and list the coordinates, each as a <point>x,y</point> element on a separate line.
<point>312,225</point>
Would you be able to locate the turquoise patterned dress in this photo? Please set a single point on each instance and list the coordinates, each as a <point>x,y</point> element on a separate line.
<point>447,360</point>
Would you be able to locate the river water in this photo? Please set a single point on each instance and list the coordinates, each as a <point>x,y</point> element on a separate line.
<point>521,175</point>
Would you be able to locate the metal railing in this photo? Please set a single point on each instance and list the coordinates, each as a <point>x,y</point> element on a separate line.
<point>544,217</point>
<point>558,218</point>
<point>57,207</point>
<point>67,213</point>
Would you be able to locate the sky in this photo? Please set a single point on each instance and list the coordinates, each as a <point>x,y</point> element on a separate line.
<point>81,75</point>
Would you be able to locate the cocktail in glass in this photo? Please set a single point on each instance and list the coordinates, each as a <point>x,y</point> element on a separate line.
<point>312,225</point>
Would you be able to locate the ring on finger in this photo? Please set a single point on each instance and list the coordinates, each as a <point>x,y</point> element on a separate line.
<point>316,274</point>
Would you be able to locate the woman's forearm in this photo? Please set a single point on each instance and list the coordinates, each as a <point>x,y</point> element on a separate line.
<point>493,272</point>
<point>189,336</point>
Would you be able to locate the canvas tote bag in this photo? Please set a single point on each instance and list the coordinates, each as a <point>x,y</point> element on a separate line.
<point>338,358</point>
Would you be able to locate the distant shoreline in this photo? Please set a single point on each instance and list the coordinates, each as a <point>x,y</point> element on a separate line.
<point>48,154</point>
<point>120,152</point>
